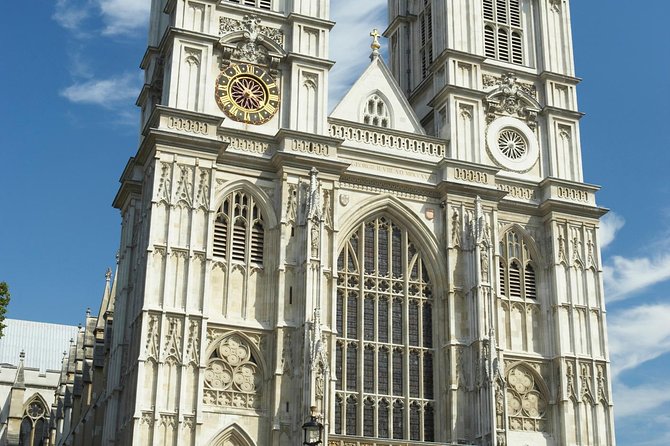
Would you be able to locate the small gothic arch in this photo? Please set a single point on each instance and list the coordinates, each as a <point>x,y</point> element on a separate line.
<point>241,224</point>
<point>376,111</point>
<point>235,372</point>
<point>233,435</point>
<point>259,195</point>
<point>310,81</point>
<point>34,428</point>
<point>528,399</point>
<point>518,264</point>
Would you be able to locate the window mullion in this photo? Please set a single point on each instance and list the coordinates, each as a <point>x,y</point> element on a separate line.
<point>360,408</point>
<point>247,232</point>
<point>405,337</point>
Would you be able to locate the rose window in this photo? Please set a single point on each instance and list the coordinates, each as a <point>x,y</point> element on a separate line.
<point>526,406</point>
<point>35,410</point>
<point>512,144</point>
<point>232,377</point>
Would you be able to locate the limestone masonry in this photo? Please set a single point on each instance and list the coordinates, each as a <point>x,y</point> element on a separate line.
<point>421,265</point>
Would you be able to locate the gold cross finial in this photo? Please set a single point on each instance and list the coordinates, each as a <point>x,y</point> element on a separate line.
<point>375,44</point>
<point>375,40</point>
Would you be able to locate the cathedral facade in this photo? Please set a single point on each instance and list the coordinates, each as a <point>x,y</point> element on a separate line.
<point>420,265</point>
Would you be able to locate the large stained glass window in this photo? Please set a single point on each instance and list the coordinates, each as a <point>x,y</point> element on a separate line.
<point>385,336</point>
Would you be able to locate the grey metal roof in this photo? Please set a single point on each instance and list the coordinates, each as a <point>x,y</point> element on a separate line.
<point>43,343</point>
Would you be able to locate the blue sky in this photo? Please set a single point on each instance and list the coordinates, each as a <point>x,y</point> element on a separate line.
<point>70,78</point>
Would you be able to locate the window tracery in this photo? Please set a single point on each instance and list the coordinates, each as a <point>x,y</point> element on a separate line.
<point>384,307</point>
<point>516,271</point>
<point>503,30</point>
<point>526,403</point>
<point>239,232</point>
<point>376,112</point>
<point>233,375</point>
<point>35,426</point>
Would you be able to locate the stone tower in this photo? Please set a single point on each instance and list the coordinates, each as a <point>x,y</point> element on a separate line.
<point>496,79</point>
<point>219,291</point>
<point>421,265</point>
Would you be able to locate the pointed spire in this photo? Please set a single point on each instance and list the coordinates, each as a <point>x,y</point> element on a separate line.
<point>20,381</point>
<point>376,46</point>
<point>107,295</point>
<point>112,296</point>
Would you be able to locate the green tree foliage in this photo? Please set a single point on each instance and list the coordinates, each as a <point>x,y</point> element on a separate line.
<point>4,302</point>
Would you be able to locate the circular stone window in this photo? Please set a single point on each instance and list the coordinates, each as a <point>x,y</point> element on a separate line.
<point>512,144</point>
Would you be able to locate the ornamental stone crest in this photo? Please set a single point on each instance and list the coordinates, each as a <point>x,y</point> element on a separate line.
<point>512,98</point>
<point>247,40</point>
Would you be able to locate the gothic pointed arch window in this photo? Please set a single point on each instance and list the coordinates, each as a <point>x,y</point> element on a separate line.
<point>233,376</point>
<point>384,353</point>
<point>376,112</point>
<point>527,402</point>
<point>504,30</point>
<point>239,231</point>
<point>35,424</point>
<point>516,268</point>
<point>233,436</point>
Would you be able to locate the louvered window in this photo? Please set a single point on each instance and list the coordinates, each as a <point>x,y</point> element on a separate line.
<point>262,4</point>
<point>514,280</point>
<point>516,270</point>
<point>392,323</point>
<point>502,280</point>
<point>503,30</point>
<point>531,292</point>
<point>239,233</point>
<point>426,38</point>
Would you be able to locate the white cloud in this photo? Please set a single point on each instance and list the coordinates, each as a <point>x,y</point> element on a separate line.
<point>632,401</point>
<point>124,16</point>
<point>108,93</point>
<point>350,41</point>
<point>71,13</point>
<point>609,226</point>
<point>626,276</point>
<point>119,17</point>
<point>638,335</point>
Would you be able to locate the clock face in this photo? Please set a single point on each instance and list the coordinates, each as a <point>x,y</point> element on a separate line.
<point>247,93</point>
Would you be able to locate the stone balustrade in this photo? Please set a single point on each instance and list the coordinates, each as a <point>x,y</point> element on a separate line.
<point>388,139</point>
